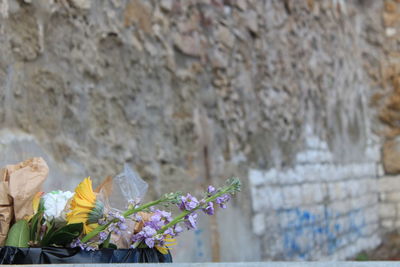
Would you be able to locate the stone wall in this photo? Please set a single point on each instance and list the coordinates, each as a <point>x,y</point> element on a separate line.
<point>318,209</point>
<point>190,92</point>
<point>386,102</point>
<point>389,187</point>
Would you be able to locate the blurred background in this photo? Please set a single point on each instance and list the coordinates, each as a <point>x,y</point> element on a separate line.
<point>298,98</point>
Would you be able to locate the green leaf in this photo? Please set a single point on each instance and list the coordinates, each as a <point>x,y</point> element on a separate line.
<point>35,224</point>
<point>50,225</point>
<point>113,246</point>
<point>18,236</point>
<point>41,205</point>
<point>106,243</point>
<point>63,236</point>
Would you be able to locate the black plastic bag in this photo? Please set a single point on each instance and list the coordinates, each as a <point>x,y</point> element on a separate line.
<point>13,255</point>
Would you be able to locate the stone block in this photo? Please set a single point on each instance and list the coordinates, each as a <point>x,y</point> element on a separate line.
<point>271,176</point>
<point>373,153</point>
<point>387,210</point>
<point>225,36</point>
<point>372,214</point>
<point>259,202</point>
<point>390,7</point>
<point>393,197</point>
<point>370,169</point>
<point>391,156</point>
<point>256,177</point>
<point>259,224</point>
<point>390,19</point>
<point>370,229</point>
<point>166,5</point>
<point>390,32</point>
<point>341,207</point>
<point>302,157</point>
<point>388,184</point>
<point>380,171</point>
<point>312,193</point>
<point>313,142</point>
<point>138,12</point>
<point>397,224</point>
<point>267,198</point>
<point>293,177</point>
<point>355,188</point>
<point>337,190</point>
<point>276,198</point>
<point>388,224</point>
<point>292,196</point>
<point>364,201</point>
<point>82,4</point>
<point>372,185</point>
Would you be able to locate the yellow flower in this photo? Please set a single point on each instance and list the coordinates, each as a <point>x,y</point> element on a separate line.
<point>168,242</point>
<point>35,205</point>
<point>84,207</point>
<point>36,201</point>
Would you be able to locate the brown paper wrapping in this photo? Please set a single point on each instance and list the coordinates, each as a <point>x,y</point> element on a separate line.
<point>6,209</point>
<point>18,185</point>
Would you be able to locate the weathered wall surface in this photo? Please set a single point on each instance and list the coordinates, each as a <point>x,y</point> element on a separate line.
<point>318,209</point>
<point>386,101</point>
<point>192,92</point>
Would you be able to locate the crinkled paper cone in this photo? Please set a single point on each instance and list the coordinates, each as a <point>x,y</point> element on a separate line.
<point>6,209</point>
<point>25,180</point>
<point>18,185</point>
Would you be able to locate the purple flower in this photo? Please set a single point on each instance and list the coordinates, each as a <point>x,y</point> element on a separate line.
<point>77,243</point>
<point>177,229</point>
<point>83,246</point>
<point>134,202</point>
<point>222,200</point>
<point>157,221</point>
<point>149,242</point>
<point>102,221</point>
<point>190,221</point>
<point>209,209</point>
<point>137,217</point>
<point>137,237</point>
<point>188,202</point>
<point>122,226</point>
<point>169,231</point>
<point>210,189</point>
<point>103,236</point>
<point>166,215</point>
<point>90,248</point>
<point>156,217</point>
<point>147,235</point>
<point>148,231</point>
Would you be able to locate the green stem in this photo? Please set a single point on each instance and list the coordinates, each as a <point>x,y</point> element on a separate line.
<point>234,186</point>
<point>126,214</point>
<point>183,214</point>
<point>143,207</point>
<point>93,233</point>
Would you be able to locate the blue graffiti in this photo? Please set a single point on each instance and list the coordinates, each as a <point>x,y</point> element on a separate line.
<point>304,231</point>
<point>199,243</point>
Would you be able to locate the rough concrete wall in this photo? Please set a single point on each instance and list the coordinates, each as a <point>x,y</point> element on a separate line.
<point>191,92</point>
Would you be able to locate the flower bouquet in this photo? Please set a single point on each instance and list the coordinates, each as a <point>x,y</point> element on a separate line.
<point>82,227</point>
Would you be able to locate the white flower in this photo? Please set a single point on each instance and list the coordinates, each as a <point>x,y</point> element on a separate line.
<point>54,204</point>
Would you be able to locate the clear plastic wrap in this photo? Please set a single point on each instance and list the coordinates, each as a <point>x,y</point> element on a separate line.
<point>117,194</point>
<point>126,186</point>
